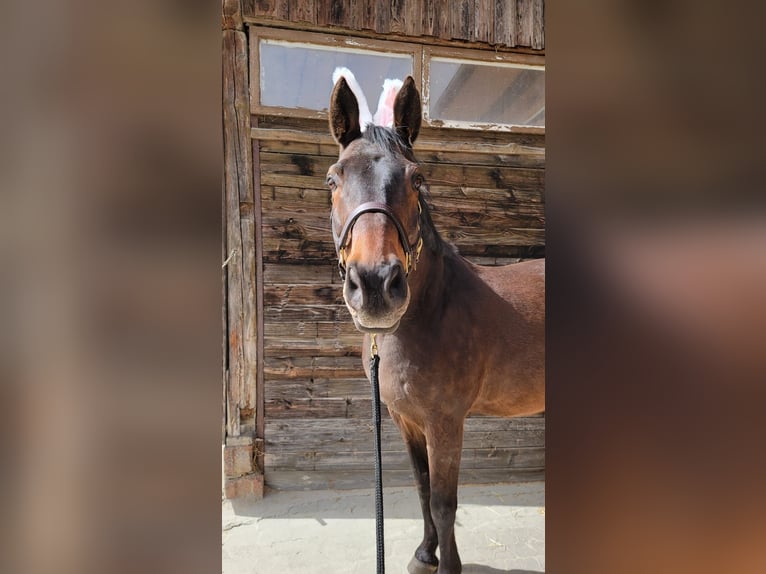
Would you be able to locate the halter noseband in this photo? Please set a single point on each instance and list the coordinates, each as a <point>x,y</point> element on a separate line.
<point>377,207</point>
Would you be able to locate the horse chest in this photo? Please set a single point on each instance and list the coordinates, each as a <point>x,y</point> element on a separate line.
<point>414,388</point>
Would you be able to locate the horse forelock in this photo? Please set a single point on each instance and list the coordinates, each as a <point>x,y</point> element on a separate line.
<point>390,140</point>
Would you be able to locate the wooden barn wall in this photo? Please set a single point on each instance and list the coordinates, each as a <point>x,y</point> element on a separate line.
<point>486,196</point>
<point>296,402</point>
<point>508,23</point>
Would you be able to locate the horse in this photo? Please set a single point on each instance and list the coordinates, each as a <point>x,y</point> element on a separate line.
<point>453,338</point>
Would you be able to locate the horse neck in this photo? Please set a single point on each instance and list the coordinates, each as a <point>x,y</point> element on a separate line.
<point>428,289</point>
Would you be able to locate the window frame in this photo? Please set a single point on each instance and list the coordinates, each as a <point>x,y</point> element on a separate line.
<point>480,57</point>
<point>421,67</point>
<point>307,39</point>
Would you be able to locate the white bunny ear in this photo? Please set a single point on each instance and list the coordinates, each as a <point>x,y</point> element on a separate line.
<point>384,116</point>
<point>365,116</point>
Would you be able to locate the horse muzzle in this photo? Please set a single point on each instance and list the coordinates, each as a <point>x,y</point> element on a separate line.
<point>376,296</point>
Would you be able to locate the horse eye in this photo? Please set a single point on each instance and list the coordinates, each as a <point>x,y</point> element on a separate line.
<point>331,182</point>
<point>417,181</point>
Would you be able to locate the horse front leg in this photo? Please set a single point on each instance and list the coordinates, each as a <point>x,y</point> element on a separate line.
<point>425,560</point>
<point>445,442</point>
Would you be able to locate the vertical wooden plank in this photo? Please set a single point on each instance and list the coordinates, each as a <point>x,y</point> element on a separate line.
<point>255,70</point>
<point>505,23</point>
<point>233,236</point>
<point>231,15</point>
<point>355,14</point>
<point>538,25</point>
<point>224,315</point>
<point>524,22</point>
<point>276,9</point>
<point>462,21</point>
<point>240,235</point>
<point>259,374</point>
<point>338,13</point>
<point>484,15</point>
<point>397,16</point>
<point>429,22</point>
<point>413,17</point>
<point>382,17</point>
<point>250,315</point>
<point>368,15</point>
<point>443,11</point>
<point>322,12</point>
<point>303,11</point>
<point>248,8</point>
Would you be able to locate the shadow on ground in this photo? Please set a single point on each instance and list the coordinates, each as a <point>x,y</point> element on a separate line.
<point>399,502</point>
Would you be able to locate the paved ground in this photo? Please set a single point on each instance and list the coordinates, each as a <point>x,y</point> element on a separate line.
<point>500,529</point>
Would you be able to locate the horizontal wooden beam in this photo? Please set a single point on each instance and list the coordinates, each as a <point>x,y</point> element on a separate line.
<point>511,148</point>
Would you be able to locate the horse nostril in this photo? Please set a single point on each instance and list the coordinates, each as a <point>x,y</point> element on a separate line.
<point>396,284</point>
<point>352,279</point>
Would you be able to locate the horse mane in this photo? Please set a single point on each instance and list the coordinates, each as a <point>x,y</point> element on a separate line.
<point>390,140</point>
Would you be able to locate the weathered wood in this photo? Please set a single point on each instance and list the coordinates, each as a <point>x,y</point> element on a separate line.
<point>454,143</point>
<point>259,286</point>
<point>538,25</point>
<point>484,15</point>
<point>297,435</point>
<point>360,479</point>
<point>277,368</point>
<point>413,17</point>
<point>322,347</point>
<point>281,295</point>
<point>231,15</point>
<point>473,21</point>
<point>505,23</point>
<point>521,458</point>
<point>242,326</point>
<point>427,133</point>
<point>334,407</point>
<point>248,9</point>
<point>303,11</point>
<point>382,17</point>
<point>430,20</point>
<point>443,26</point>
<point>332,12</point>
<point>224,317</point>
<point>525,19</point>
<point>397,25</point>
<point>274,9</point>
<point>317,389</point>
<point>301,274</point>
<point>462,18</point>
<point>356,11</point>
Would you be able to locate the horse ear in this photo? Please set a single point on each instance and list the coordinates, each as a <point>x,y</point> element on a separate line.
<point>408,112</point>
<point>344,114</point>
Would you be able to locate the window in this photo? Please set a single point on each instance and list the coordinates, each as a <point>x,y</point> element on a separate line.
<point>309,81</point>
<point>461,88</point>
<point>486,93</point>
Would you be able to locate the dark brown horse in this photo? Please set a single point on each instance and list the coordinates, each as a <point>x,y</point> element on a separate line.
<point>453,338</point>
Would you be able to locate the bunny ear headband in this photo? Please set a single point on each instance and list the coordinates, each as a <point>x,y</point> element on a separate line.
<point>384,116</point>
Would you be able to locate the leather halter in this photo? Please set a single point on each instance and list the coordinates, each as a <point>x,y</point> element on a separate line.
<point>377,207</point>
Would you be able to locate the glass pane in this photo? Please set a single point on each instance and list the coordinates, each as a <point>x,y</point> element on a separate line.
<point>300,76</point>
<point>487,93</point>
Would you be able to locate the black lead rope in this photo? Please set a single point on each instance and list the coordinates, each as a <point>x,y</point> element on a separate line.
<point>374,362</point>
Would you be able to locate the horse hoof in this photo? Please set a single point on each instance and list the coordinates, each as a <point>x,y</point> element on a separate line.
<point>417,567</point>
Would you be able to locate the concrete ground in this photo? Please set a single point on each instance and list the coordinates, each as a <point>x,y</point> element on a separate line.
<point>500,528</point>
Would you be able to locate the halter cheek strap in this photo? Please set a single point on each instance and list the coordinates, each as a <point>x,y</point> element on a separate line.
<point>376,207</point>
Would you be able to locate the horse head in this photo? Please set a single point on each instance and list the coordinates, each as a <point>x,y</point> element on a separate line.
<point>376,206</point>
